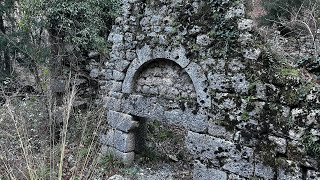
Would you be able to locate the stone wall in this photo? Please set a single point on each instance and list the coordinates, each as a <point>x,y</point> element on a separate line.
<point>198,64</point>
<point>165,79</point>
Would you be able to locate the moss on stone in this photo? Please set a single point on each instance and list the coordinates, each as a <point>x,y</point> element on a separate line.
<point>290,97</point>
<point>245,116</point>
<point>286,72</point>
<point>294,153</point>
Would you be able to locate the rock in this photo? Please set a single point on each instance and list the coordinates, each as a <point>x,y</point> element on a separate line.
<point>281,144</point>
<point>245,24</point>
<point>252,54</point>
<point>117,75</point>
<point>116,86</point>
<point>144,54</point>
<point>195,30</point>
<point>94,73</point>
<point>204,40</point>
<point>266,172</point>
<point>238,11</point>
<point>239,83</point>
<point>116,177</point>
<point>122,65</point>
<point>288,170</point>
<point>117,38</point>
<point>312,175</point>
<point>93,55</point>
<point>235,177</point>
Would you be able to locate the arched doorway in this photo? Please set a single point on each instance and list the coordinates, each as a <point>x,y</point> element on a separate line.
<point>158,90</point>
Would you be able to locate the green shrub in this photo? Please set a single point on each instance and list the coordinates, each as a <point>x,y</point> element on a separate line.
<point>81,23</point>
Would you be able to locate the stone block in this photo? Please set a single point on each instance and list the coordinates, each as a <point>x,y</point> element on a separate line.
<point>143,106</point>
<point>312,175</point>
<point>219,131</point>
<point>94,73</point>
<point>116,86</point>
<point>266,172</point>
<point>117,75</point>
<point>288,170</point>
<point>122,65</point>
<point>124,142</point>
<point>200,83</point>
<point>130,55</point>
<point>211,149</point>
<point>242,168</point>
<point>120,121</point>
<point>281,144</point>
<point>235,177</point>
<point>203,173</point>
<point>112,103</point>
<point>125,158</point>
<point>144,54</point>
<point>178,55</point>
<point>204,40</point>
<point>197,123</point>
<point>245,24</point>
<point>239,83</point>
<point>219,82</point>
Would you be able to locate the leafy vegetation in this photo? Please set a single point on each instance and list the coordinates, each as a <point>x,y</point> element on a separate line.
<point>280,10</point>
<point>50,39</point>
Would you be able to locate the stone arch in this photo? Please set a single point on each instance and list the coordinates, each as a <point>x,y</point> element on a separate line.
<point>147,55</point>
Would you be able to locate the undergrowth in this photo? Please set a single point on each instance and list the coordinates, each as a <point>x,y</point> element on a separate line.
<point>30,149</point>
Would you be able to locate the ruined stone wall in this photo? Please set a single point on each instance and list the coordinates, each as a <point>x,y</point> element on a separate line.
<point>199,65</point>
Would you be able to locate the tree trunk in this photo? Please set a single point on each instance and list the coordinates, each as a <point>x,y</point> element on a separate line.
<point>5,59</point>
<point>57,88</point>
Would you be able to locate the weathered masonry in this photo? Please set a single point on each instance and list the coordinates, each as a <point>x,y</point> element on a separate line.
<point>194,63</point>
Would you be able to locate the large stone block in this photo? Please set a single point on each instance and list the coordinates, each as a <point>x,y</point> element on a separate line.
<point>203,173</point>
<point>210,149</point>
<point>242,168</point>
<point>125,158</point>
<point>198,122</point>
<point>120,121</point>
<point>219,131</point>
<point>124,142</point>
<point>219,82</point>
<point>143,106</point>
